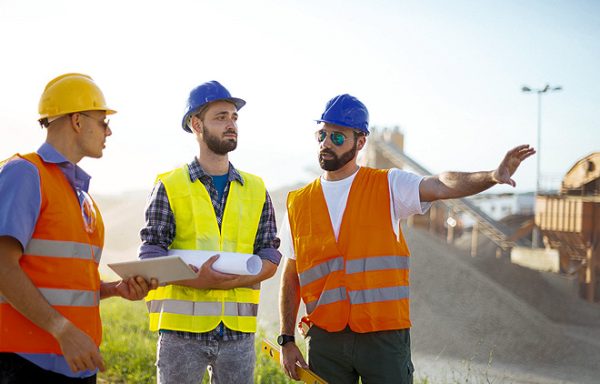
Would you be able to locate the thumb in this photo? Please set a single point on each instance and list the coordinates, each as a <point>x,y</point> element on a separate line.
<point>211,260</point>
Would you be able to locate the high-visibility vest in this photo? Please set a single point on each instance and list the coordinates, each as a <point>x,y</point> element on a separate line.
<point>362,279</point>
<point>61,259</point>
<point>180,308</point>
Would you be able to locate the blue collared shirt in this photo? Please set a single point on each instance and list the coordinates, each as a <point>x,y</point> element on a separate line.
<point>20,202</point>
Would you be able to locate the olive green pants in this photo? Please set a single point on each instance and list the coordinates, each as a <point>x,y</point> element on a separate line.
<point>376,357</point>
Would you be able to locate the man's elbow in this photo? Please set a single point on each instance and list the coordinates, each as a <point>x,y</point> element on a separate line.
<point>268,270</point>
<point>432,188</point>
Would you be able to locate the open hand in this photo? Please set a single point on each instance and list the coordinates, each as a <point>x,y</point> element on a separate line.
<point>510,163</point>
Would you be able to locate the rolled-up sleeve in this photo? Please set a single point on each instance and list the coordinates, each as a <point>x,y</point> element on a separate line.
<point>159,230</point>
<point>266,244</point>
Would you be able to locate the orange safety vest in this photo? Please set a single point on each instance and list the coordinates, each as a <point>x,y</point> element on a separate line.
<point>61,259</point>
<point>362,279</point>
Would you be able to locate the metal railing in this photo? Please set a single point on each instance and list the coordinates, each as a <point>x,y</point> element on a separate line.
<point>494,230</point>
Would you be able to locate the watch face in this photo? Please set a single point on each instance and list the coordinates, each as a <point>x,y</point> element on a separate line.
<point>283,339</point>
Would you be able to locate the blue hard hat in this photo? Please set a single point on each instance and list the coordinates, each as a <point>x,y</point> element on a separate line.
<point>346,111</point>
<point>204,94</point>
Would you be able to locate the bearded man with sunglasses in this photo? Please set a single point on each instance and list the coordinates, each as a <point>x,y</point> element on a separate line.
<point>51,239</point>
<point>209,205</point>
<point>346,257</point>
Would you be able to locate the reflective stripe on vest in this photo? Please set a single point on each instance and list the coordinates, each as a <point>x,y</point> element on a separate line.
<point>199,308</point>
<point>66,297</point>
<point>378,263</point>
<point>378,294</point>
<point>327,297</point>
<point>174,307</point>
<point>61,260</point>
<point>55,248</point>
<point>360,297</point>
<point>360,279</point>
<point>356,266</point>
<point>321,270</point>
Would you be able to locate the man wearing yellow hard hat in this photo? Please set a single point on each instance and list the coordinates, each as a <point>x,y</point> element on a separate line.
<point>51,239</point>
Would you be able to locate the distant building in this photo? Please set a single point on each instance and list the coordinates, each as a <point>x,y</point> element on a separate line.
<point>570,223</point>
<point>499,206</point>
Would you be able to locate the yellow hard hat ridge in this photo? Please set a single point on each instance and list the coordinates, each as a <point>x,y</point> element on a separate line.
<point>70,93</point>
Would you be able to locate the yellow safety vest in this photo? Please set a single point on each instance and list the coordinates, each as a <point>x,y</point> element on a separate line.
<point>175,307</point>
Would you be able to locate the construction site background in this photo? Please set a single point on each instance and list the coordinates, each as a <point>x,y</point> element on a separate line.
<point>478,319</point>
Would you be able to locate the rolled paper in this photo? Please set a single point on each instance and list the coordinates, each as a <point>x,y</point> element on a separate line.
<point>228,262</point>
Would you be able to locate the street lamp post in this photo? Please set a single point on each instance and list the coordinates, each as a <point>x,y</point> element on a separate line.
<point>540,91</point>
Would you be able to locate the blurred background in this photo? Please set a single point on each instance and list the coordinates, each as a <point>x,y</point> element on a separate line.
<point>505,285</point>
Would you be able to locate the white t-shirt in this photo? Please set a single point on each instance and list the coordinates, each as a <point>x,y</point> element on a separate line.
<point>404,196</point>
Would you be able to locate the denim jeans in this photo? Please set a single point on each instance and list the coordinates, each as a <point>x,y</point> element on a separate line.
<point>181,360</point>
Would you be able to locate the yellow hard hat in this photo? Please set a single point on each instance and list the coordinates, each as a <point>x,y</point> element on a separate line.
<point>69,93</point>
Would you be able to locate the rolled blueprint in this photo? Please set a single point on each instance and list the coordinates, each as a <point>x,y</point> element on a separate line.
<point>228,262</point>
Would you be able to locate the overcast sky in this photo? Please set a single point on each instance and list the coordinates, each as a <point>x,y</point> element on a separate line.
<point>448,73</point>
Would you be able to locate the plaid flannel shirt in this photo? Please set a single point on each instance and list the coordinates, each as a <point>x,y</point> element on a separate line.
<point>159,233</point>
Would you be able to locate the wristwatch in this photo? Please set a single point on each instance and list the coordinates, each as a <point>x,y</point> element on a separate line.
<point>284,339</point>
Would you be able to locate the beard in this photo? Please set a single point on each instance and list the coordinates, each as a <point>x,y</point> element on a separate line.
<point>336,162</point>
<point>218,145</point>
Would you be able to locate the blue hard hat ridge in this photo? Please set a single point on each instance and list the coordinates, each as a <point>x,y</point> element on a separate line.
<point>346,111</point>
<point>207,93</point>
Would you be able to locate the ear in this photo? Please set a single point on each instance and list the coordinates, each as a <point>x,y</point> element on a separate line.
<point>196,125</point>
<point>362,140</point>
<point>75,121</point>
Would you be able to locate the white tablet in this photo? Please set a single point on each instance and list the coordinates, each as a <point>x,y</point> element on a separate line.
<point>164,269</point>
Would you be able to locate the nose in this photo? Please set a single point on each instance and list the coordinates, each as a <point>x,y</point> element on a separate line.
<point>108,131</point>
<point>325,143</point>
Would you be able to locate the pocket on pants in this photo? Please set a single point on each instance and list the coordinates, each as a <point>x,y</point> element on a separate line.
<point>411,370</point>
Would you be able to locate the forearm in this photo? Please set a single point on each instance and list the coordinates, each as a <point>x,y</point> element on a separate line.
<point>453,185</point>
<point>461,184</point>
<point>23,296</point>
<point>267,271</point>
<point>218,280</point>
<point>108,289</point>
<point>289,300</point>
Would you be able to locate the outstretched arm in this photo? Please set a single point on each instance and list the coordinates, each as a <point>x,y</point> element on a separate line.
<point>452,185</point>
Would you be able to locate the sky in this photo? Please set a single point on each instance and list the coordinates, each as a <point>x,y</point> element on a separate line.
<point>449,74</point>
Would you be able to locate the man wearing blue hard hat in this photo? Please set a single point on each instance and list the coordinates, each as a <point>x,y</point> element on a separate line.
<point>346,257</point>
<point>209,205</point>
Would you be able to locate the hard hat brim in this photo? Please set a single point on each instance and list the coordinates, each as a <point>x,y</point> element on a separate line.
<point>341,124</point>
<point>239,103</point>
<point>108,112</point>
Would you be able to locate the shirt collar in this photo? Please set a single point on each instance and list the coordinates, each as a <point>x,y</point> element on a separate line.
<point>197,172</point>
<point>76,176</point>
